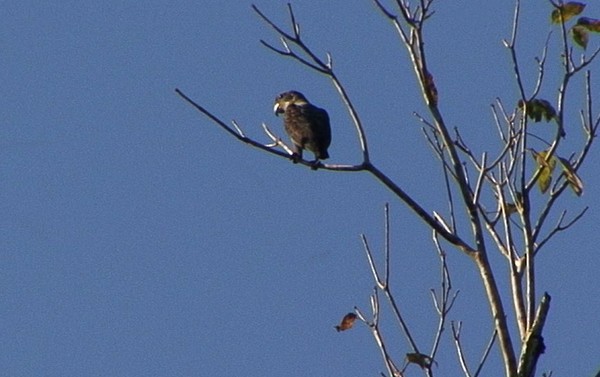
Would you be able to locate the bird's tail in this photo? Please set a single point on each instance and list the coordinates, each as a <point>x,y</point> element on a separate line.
<point>323,155</point>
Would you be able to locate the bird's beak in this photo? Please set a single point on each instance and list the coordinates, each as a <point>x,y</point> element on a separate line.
<point>277,109</point>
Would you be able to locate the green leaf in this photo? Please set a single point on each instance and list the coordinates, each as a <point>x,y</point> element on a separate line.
<point>511,208</point>
<point>580,35</point>
<point>591,24</point>
<point>574,181</point>
<point>566,11</point>
<point>538,109</point>
<point>420,359</point>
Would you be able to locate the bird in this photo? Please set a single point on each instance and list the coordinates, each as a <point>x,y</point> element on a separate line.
<point>306,124</point>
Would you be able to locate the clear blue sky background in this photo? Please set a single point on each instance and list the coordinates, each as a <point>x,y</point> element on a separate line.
<point>138,239</point>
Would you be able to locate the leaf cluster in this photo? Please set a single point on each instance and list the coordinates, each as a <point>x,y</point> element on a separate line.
<point>584,25</point>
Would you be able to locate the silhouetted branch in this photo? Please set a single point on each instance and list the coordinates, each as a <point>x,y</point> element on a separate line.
<point>486,353</point>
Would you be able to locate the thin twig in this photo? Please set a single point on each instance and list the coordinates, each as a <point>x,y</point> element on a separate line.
<point>560,227</point>
<point>461,356</point>
<point>486,353</point>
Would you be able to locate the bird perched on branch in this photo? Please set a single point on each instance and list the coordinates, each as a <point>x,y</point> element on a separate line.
<point>306,124</point>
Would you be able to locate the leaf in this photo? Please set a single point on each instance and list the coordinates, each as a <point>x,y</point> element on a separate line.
<point>511,208</point>
<point>591,24</point>
<point>574,181</point>
<point>580,35</point>
<point>540,158</point>
<point>421,360</point>
<point>347,322</point>
<point>547,167</point>
<point>430,88</point>
<point>545,179</point>
<point>538,109</point>
<point>566,11</point>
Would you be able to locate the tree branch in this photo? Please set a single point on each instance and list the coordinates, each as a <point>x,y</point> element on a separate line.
<point>533,345</point>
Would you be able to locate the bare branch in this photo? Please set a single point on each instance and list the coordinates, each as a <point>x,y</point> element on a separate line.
<point>380,283</point>
<point>383,284</point>
<point>486,353</point>
<point>541,62</point>
<point>376,332</point>
<point>497,120</point>
<point>533,345</point>
<point>512,48</point>
<point>415,47</point>
<point>560,227</point>
<point>276,140</point>
<point>505,180</point>
<point>515,278</point>
<point>461,356</point>
<point>387,13</point>
<point>450,237</point>
<point>591,131</point>
<point>290,53</point>
<point>238,128</point>
<point>318,65</point>
<point>239,134</point>
<point>444,303</point>
<point>387,244</point>
<point>295,25</point>
<point>479,183</point>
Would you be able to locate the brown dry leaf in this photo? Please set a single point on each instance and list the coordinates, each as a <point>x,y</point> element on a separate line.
<point>347,322</point>
<point>580,35</point>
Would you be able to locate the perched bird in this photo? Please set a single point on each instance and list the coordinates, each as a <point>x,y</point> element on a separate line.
<point>306,124</point>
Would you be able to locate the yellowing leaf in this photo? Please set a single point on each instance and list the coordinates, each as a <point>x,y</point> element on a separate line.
<point>580,35</point>
<point>591,24</point>
<point>545,179</point>
<point>574,181</point>
<point>547,167</point>
<point>540,158</point>
<point>566,11</point>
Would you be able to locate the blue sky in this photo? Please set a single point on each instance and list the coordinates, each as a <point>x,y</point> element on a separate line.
<point>138,239</point>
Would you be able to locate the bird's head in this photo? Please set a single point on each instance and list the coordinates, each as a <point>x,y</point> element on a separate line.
<point>288,98</point>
